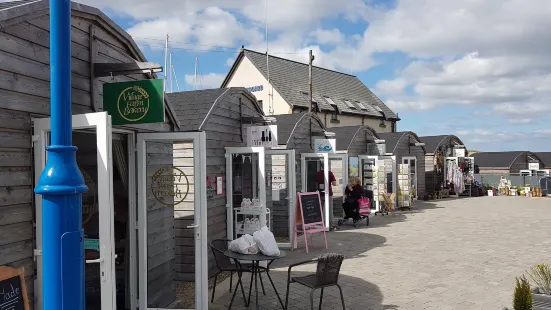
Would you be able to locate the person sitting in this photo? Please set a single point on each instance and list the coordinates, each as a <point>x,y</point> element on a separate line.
<point>353,191</point>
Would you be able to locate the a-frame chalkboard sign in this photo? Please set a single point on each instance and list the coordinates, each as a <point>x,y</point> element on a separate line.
<point>13,293</point>
<point>309,216</point>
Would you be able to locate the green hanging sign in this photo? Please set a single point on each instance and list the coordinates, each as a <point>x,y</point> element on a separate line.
<point>135,102</point>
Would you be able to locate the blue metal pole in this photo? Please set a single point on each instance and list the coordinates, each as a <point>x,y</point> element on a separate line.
<point>61,183</point>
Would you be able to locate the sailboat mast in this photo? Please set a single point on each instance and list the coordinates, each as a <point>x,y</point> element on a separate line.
<point>166,69</point>
<point>195,76</point>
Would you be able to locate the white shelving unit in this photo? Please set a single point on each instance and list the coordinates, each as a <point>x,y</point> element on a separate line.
<point>242,214</point>
<point>404,187</point>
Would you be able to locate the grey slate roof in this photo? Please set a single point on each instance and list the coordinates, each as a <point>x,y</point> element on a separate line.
<point>433,142</point>
<point>290,79</point>
<point>545,158</point>
<point>497,159</point>
<point>193,107</point>
<point>345,134</point>
<point>393,138</point>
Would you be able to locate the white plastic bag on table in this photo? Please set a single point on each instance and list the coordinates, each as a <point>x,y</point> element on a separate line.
<point>244,245</point>
<point>266,242</point>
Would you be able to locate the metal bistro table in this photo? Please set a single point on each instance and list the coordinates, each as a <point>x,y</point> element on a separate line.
<point>255,272</point>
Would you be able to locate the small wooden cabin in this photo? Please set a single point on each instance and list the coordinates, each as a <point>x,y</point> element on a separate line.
<point>408,149</point>
<point>221,113</point>
<point>297,132</point>
<point>99,48</point>
<point>354,140</point>
<point>505,163</point>
<point>438,148</point>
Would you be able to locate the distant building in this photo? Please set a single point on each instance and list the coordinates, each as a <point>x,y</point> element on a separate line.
<point>340,99</point>
<point>507,162</point>
<point>545,158</point>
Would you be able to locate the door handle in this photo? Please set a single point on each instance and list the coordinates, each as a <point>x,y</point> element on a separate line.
<point>94,261</point>
<point>193,226</point>
<point>99,260</point>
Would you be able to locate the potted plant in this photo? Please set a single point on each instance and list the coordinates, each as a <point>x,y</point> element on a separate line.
<point>522,298</point>
<point>540,276</point>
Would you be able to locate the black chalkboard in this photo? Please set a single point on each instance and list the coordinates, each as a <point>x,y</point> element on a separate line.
<point>11,294</point>
<point>311,208</point>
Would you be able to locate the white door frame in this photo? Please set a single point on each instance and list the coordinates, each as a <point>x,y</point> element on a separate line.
<point>292,189</point>
<point>409,158</point>
<point>101,122</point>
<point>325,157</point>
<point>200,207</point>
<point>229,183</point>
<point>344,158</point>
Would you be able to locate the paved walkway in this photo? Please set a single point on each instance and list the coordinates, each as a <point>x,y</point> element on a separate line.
<point>452,254</point>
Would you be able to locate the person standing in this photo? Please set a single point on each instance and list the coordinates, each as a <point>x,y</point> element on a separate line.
<point>320,180</point>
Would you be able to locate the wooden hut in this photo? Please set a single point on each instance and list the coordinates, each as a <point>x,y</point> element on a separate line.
<point>408,149</point>
<point>223,114</point>
<point>354,140</point>
<point>438,148</point>
<point>102,52</point>
<point>297,132</point>
<point>505,163</point>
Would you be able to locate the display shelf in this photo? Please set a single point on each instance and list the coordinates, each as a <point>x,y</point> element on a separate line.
<point>404,187</point>
<point>242,214</point>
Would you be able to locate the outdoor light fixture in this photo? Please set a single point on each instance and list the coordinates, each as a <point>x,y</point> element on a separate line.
<point>379,141</point>
<point>419,144</point>
<point>329,134</point>
<point>459,146</point>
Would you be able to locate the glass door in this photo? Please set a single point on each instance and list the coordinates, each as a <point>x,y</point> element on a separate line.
<point>94,158</point>
<point>172,221</point>
<point>338,164</point>
<point>314,178</point>
<point>281,193</point>
<point>246,183</point>
<point>367,172</point>
<point>412,163</point>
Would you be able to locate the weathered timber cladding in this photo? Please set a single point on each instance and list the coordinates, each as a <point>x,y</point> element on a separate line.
<point>25,93</point>
<point>403,149</point>
<point>161,248</point>
<point>223,128</point>
<point>301,141</point>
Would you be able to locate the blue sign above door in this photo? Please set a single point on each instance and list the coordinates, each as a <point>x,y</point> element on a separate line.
<point>255,88</point>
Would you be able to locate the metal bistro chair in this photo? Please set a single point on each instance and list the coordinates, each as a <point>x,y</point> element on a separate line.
<point>327,274</point>
<point>224,264</point>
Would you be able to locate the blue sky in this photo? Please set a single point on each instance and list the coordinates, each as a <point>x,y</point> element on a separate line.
<point>478,69</point>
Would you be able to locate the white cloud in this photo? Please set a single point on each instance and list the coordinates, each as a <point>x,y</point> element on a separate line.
<point>323,36</point>
<point>213,27</point>
<point>205,81</point>
<point>391,87</point>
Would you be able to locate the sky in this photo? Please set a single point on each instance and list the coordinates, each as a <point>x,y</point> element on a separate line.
<point>480,69</point>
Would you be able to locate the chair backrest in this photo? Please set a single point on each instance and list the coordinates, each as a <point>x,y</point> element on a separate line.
<point>218,247</point>
<point>329,267</point>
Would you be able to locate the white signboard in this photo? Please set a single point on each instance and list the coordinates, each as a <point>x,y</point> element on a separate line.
<point>325,145</point>
<point>265,136</point>
<point>459,153</point>
<point>533,166</point>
